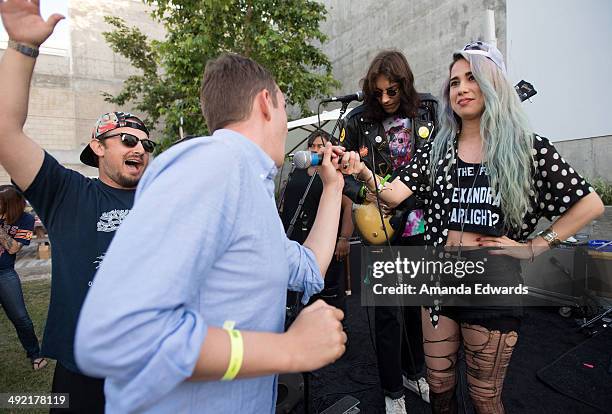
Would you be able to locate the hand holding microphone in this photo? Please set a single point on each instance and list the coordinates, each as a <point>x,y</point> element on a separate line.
<point>331,177</point>
<point>349,163</point>
<point>306,159</point>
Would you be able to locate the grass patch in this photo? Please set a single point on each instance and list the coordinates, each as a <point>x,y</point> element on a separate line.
<point>604,189</point>
<point>16,373</point>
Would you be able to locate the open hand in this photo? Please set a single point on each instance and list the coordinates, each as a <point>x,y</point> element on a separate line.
<point>506,247</point>
<point>24,24</point>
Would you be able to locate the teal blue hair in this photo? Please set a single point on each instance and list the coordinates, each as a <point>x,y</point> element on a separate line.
<point>506,135</point>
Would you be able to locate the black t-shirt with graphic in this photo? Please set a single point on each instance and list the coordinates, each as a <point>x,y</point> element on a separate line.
<point>474,206</point>
<point>81,215</point>
<point>398,130</point>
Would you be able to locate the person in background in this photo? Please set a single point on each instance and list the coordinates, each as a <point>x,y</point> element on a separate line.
<point>293,193</point>
<point>16,228</point>
<point>80,214</point>
<point>386,130</point>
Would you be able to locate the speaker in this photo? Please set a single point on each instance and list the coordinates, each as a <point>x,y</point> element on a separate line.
<point>290,391</point>
<point>599,270</point>
<point>555,278</point>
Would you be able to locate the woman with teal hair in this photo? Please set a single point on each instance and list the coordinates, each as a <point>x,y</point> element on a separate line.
<point>486,180</point>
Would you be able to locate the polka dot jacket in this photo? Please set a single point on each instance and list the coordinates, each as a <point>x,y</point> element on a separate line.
<point>555,188</point>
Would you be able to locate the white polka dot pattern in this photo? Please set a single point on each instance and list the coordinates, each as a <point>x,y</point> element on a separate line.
<point>556,187</point>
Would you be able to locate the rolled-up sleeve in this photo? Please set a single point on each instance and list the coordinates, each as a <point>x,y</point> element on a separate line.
<point>140,326</point>
<point>304,273</point>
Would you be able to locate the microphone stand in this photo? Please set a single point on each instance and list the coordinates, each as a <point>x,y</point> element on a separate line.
<point>335,141</point>
<point>300,205</point>
<point>295,308</point>
<point>281,198</point>
<point>291,227</point>
<point>343,109</point>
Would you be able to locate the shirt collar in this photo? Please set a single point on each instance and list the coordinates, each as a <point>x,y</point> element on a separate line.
<point>262,163</point>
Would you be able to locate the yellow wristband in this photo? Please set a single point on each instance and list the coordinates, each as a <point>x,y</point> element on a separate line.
<point>237,351</point>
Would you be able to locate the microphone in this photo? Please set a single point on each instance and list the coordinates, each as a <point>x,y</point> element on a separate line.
<point>305,159</point>
<point>357,96</point>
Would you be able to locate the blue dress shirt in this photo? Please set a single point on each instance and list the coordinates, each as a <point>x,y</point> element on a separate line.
<point>203,244</point>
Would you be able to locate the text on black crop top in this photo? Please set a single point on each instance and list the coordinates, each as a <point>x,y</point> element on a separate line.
<point>474,206</point>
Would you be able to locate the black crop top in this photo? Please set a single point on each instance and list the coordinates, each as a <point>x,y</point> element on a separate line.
<point>473,204</point>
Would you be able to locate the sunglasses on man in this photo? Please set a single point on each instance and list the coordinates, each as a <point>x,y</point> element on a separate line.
<point>391,92</point>
<point>131,141</point>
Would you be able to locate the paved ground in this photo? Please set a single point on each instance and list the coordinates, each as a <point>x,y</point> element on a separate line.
<point>355,373</point>
<point>29,267</point>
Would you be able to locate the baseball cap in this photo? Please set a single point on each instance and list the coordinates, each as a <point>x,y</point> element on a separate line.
<point>108,122</point>
<point>486,49</point>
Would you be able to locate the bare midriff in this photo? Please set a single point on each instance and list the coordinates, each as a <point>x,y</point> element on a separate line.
<point>455,239</point>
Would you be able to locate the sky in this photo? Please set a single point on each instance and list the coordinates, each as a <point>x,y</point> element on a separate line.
<point>60,39</point>
<point>564,48</point>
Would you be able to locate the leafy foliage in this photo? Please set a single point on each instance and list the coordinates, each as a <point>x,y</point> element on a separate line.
<point>282,35</point>
<point>604,189</point>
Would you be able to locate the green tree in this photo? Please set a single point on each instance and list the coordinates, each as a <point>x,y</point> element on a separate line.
<point>282,35</point>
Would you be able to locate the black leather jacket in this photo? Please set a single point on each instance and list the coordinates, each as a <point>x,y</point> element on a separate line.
<point>359,132</point>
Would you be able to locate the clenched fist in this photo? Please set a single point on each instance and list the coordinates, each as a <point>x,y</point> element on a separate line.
<point>316,337</point>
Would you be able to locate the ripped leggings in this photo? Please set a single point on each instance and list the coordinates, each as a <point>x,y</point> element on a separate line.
<point>487,354</point>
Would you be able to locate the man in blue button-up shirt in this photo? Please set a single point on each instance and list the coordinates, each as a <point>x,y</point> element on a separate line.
<point>204,245</point>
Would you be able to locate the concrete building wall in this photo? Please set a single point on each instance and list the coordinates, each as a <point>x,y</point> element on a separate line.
<point>66,91</point>
<point>66,98</point>
<point>427,32</point>
<point>590,157</point>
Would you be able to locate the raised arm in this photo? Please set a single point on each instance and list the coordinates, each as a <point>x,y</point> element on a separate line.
<point>19,154</point>
<point>322,237</point>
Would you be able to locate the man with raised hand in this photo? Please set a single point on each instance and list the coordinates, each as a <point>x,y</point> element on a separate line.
<point>80,214</point>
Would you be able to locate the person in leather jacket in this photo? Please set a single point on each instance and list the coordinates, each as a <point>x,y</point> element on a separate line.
<point>386,130</point>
